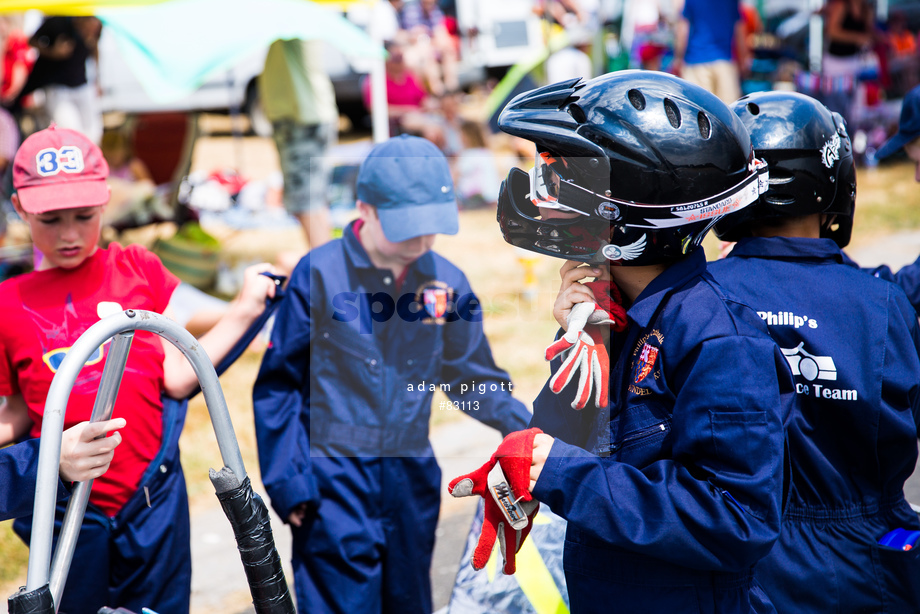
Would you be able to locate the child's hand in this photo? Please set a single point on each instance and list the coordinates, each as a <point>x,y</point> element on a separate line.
<point>571,291</point>
<point>257,288</point>
<point>542,444</point>
<point>301,514</point>
<point>83,457</point>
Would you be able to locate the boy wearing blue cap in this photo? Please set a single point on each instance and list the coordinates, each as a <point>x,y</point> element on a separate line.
<point>908,134</point>
<point>907,139</point>
<point>372,324</point>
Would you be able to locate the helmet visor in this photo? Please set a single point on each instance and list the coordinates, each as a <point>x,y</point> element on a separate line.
<point>550,189</point>
<point>545,183</point>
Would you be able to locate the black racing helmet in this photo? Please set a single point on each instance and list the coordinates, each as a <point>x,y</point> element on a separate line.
<point>840,226</point>
<point>648,161</point>
<point>811,164</point>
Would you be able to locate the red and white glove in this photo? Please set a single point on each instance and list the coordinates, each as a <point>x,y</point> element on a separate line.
<point>583,352</point>
<point>582,346</point>
<point>503,482</point>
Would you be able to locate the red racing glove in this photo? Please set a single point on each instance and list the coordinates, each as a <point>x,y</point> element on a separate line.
<point>503,482</point>
<point>582,346</point>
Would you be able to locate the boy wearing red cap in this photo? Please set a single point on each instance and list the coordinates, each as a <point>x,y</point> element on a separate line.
<point>135,536</point>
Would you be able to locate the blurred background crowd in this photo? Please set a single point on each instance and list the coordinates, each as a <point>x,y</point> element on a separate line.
<point>449,68</point>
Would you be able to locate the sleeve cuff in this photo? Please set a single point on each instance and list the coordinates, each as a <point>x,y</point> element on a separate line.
<point>290,494</point>
<point>552,485</point>
<point>519,417</point>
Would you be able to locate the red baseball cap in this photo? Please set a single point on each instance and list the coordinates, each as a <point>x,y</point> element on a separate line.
<point>57,168</point>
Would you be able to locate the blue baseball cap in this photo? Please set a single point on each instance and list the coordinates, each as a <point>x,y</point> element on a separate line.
<point>908,126</point>
<point>408,179</point>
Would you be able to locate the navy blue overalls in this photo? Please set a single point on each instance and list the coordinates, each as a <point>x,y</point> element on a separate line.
<point>852,343</point>
<point>18,471</point>
<point>142,557</point>
<point>341,422</point>
<point>152,540</point>
<point>907,277</point>
<point>674,491</point>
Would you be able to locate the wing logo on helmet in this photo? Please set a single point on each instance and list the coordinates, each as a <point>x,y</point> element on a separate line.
<point>830,153</point>
<point>625,252</point>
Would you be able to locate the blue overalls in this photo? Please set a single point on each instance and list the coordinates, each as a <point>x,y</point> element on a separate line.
<point>18,471</point>
<point>907,277</point>
<point>852,343</point>
<point>341,422</point>
<point>674,491</point>
<point>142,556</point>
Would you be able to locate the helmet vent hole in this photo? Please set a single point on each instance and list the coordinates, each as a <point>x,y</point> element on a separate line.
<point>673,112</point>
<point>705,127</point>
<point>577,113</point>
<point>781,200</point>
<point>636,99</point>
<point>780,176</point>
<point>753,109</point>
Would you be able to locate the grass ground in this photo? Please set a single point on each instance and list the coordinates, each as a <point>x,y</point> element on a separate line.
<point>517,322</point>
<point>888,200</point>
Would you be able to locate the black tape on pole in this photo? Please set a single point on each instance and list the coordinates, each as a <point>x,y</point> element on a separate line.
<point>38,601</point>
<point>250,521</point>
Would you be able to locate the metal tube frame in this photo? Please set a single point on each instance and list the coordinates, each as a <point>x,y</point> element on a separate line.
<point>76,506</point>
<point>53,423</point>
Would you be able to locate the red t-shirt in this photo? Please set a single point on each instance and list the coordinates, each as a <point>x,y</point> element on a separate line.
<point>15,52</point>
<point>43,314</point>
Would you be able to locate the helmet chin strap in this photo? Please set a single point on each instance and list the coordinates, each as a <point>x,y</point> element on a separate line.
<point>599,257</point>
<point>827,222</point>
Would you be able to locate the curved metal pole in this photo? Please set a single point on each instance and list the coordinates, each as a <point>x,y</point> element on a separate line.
<point>56,403</point>
<point>76,508</point>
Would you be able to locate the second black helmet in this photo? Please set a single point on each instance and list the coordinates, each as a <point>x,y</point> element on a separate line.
<point>811,164</point>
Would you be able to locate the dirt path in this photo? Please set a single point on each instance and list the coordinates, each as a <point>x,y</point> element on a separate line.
<point>219,584</point>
